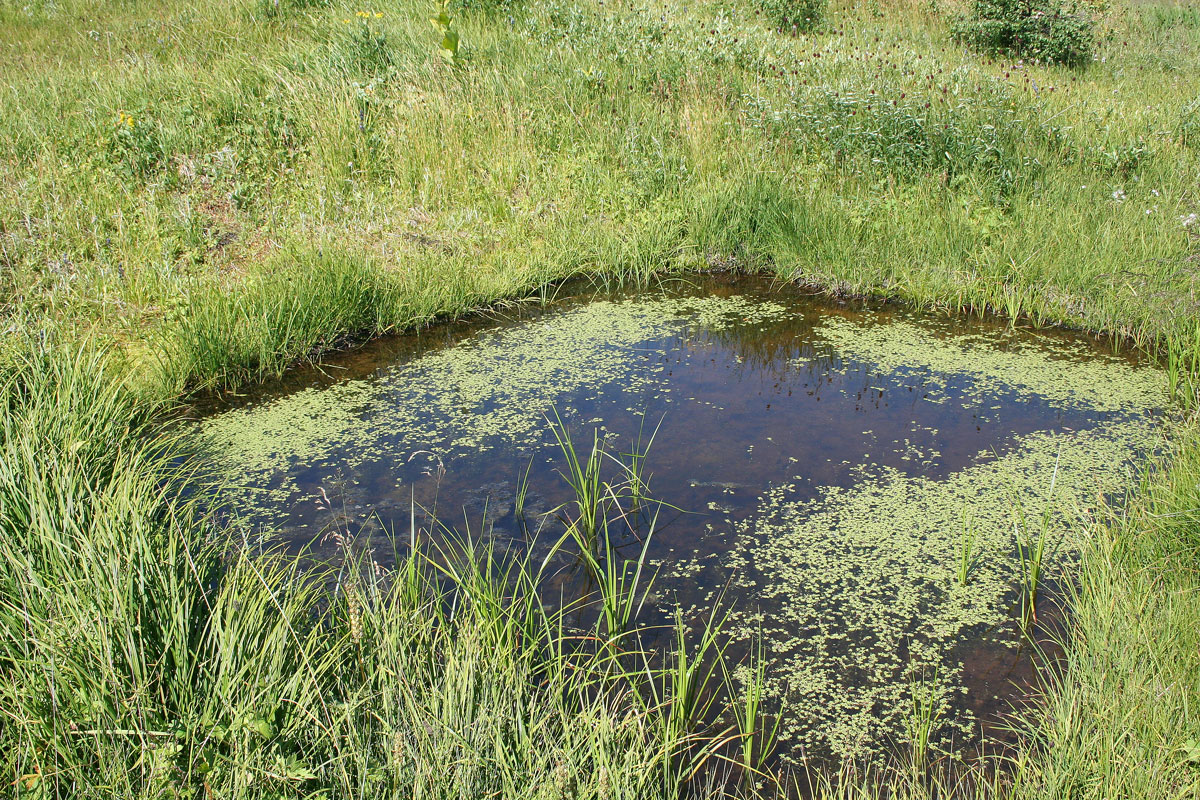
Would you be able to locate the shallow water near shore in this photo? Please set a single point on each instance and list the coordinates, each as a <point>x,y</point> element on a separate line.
<point>821,461</point>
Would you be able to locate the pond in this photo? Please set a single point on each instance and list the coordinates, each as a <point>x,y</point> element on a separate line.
<point>825,466</point>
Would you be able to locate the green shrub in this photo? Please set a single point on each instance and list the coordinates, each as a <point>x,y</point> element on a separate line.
<point>1051,31</point>
<point>795,16</point>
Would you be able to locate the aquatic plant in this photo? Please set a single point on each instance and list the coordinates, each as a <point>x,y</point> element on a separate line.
<point>921,723</point>
<point>618,581</point>
<point>757,736</point>
<point>694,662</point>
<point>1031,556</point>
<point>968,555</point>
<point>583,476</point>
<point>634,463</point>
<point>895,554</point>
<point>1031,548</point>
<point>522,490</point>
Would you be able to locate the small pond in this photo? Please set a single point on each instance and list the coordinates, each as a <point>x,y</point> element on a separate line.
<point>821,463</point>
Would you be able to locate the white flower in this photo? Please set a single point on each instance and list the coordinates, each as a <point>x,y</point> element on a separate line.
<point>1119,195</point>
<point>1190,219</point>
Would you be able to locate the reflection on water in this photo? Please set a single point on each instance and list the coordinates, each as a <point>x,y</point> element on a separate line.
<point>822,463</point>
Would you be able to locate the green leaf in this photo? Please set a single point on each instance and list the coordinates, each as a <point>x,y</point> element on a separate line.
<point>296,770</point>
<point>260,726</point>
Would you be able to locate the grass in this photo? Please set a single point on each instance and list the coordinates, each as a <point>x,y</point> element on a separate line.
<point>922,723</point>
<point>968,553</point>
<point>1032,538</point>
<point>180,664</point>
<point>195,197</point>
<point>757,733</point>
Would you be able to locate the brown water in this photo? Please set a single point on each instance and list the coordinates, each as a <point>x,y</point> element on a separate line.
<point>820,461</point>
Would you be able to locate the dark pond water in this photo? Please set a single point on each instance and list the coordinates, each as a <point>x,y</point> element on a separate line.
<point>821,463</point>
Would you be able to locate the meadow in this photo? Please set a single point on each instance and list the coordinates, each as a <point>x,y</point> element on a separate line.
<point>194,197</point>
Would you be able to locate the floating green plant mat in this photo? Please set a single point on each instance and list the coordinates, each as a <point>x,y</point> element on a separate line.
<point>857,593</point>
<point>868,490</point>
<point>490,391</point>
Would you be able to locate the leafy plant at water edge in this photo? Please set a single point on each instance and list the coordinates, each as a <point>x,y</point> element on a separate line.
<point>618,581</point>
<point>686,681</point>
<point>584,479</point>
<point>1031,548</point>
<point>1052,31</point>
<point>634,465</point>
<point>595,497</point>
<point>1183,367</point>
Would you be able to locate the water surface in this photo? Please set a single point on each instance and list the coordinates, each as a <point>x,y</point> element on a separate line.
<point>824,461</point>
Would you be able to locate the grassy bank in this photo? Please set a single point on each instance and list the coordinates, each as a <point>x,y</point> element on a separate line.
<point>199,196</point>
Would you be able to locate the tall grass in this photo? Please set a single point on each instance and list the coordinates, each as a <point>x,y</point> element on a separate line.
<point>144,654</point>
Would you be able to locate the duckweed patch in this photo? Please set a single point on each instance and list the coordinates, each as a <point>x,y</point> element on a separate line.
<point>1000,360</point>
<point>490,391</point>
<point>855,592</point>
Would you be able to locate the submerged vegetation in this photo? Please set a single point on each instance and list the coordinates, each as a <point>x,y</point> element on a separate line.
<point>197,197</point>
